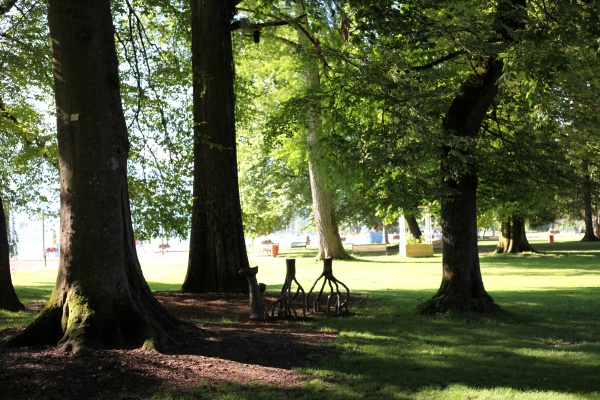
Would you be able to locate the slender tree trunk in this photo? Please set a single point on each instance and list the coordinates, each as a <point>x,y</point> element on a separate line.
<point>217,245</point>
<point>589,235</point>
<point>330,243</point>
<point>100,298</point>
<point>8,297</point>
<point>513,238</point>
<point>385,234</point>
<point>462,286</point>
<point>413,226</point>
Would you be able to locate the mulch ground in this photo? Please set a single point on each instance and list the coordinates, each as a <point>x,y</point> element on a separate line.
<point>231,349</point>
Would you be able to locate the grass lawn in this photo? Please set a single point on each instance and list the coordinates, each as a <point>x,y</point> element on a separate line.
<point>544,345</point>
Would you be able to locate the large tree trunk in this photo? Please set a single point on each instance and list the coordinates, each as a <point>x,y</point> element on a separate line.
<point>8,298</point>
<point>413,226</point>
<point>100,298</point>
<point>513,238</point>
<point>217,245</point>
<point>330,243</point>
<point>462,286</point>
<point>588,217</point>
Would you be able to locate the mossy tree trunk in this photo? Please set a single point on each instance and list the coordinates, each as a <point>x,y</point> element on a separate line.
<point>217,245</point>
<point>513,238</point>
<point>100,297</point>
<point>8,297</point>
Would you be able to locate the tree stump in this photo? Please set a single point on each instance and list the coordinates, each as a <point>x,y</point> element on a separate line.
<point>284,303</point>
<point>341,302</point>
<point>257,307</point>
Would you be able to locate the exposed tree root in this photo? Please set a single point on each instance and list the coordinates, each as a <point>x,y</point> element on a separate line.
<point>458,304</point>
<point>284,304</point>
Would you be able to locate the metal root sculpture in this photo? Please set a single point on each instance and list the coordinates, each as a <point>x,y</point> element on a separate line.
<point>340,301</point>
<point>283,306</point>
<point>257,308</point>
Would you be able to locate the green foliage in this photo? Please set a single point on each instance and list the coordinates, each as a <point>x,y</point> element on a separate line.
<point>28,153</point>
<point>154,46</point>
<point>274,185</point>
<point>383,95</point>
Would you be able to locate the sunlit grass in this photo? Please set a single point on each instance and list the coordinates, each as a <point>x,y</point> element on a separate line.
<point>544,345</point>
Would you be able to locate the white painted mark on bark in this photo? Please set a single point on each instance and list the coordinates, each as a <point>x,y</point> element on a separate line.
<point>74,117</point>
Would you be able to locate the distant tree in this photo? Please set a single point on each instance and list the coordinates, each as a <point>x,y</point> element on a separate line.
<point>588,214</point>
<point>273,172</point>
<point>324,210</point>
<point>28,150</point>
<point>517,182</point>
<point>300,114</point>
<point>8,297</point>
<point>576,96</point>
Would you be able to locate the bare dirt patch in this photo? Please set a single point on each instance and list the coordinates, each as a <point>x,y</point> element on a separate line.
<point>232,349</point>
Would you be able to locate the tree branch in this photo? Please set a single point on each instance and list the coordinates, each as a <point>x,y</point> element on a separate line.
<point>6,7</point>
<point>314,41</point>
<point>288,42</point>
<point>440,60</point>
<point>7,114</point>
<point>240,25</point>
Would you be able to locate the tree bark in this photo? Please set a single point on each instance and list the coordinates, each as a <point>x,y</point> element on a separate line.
<point>330,243</point>
<point>413,226</point>
<point>504,237</point>
<point>588,216</point>
<point>100,298</point>
<point>217,245</point>
<point>462,286</point>
<point>513,238</point>
<point>8,297</point>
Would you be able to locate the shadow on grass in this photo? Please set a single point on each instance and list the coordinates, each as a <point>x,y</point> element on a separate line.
<point>543,341</point>
<point>34,298</point>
